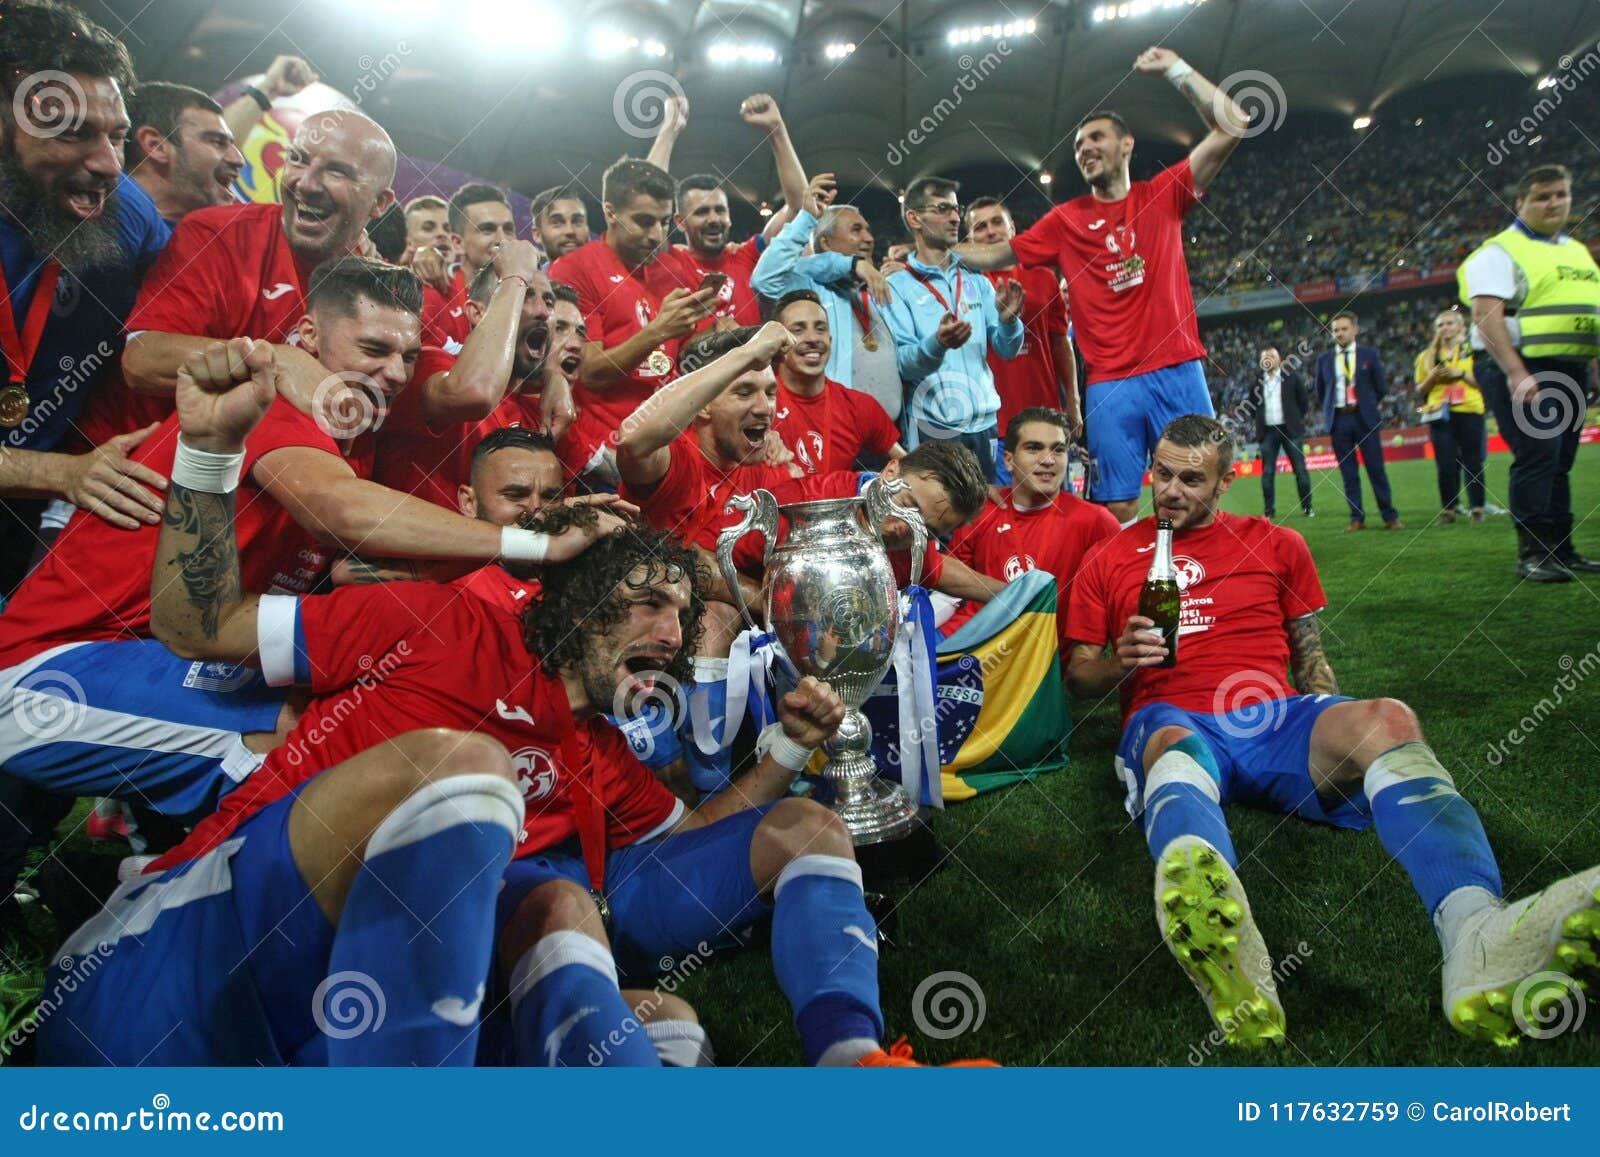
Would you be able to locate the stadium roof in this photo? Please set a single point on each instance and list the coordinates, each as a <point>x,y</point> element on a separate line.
<point>521,92</point>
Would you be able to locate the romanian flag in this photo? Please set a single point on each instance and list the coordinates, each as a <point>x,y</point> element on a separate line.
<point>1000,709</point>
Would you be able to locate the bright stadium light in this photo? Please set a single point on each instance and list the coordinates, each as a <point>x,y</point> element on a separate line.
<point>1133,9</point>
<point>1547,82</point>
<point>506,25</point>
<point>838,50</point>
<point>1045,178</point>
<point>729,52</point>
<point>977,33</point>
<point>1360,123</point>
<point>610,42</point>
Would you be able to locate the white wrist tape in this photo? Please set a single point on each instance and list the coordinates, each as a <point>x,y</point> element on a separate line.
<point>786,752</point>
<point>204,471</point>
<point>1178,72</point>
<point>518,545</point>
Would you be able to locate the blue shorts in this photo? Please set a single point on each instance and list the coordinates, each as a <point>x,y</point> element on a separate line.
<point>1263,752</point>
<point>213,962</point>
<point>131,720</point>
<point>1125,419</point>
<point>687,893</point>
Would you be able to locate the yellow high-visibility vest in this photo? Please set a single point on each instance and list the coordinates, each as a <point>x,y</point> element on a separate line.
<point>1558,294</point>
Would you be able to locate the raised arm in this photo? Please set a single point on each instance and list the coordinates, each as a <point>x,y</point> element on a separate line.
<point>197,604</point>
<point>681,310</point>
<point>1226,120</point>
<point>761,111</point>
<point>645,440</point>
<point>286,76</point>
<point>1308,661</point>
<point>475,385</point>
<point>984,258</point>
<point>674,119</point>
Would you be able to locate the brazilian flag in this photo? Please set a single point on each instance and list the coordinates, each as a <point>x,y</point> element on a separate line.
<point>1008,719</point>
<point>999,709</point>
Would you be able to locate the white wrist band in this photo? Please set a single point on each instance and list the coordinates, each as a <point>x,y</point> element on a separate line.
<point>785,752</point>
<point>204,471</point>
<point>1178,72</point>
<point>518,545</point>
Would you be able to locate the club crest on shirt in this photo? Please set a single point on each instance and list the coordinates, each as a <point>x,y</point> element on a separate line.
<point>536,773</point>
<point>1018,565</point>
<point>808,448</point>
<point>1190,572</point>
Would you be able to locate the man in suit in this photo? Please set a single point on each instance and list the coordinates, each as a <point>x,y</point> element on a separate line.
<point>1349,385</point>
<point>1280,401</point>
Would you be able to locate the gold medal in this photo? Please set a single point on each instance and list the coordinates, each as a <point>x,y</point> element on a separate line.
<point>658,364</point>
<point>869,343</point>
<point>14,406</point>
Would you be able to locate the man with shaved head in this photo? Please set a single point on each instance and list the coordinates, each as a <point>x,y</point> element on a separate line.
<point>243,270</point>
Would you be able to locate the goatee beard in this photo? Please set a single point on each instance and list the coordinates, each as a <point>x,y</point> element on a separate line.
<point>80,246</point>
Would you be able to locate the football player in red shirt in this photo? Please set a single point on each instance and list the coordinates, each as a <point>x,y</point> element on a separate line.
<point>704,216</point>
<point>1034,524</point>
<point>428,227</point>
<point>180,150</point>
<point>481,217</point>
<point>826,426</point>
<point>388,851</point>
<point>560,221</point>
<point>1224,726</point>
<point>635,312</point>
<point>1120,247</point>
<point>426,442</point>
<point>243,270</point>
<point>1044,372</point>
<point>541,394</point>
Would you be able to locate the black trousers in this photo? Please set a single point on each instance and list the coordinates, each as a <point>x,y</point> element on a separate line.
<point>1543,437</point>
<point>1458,449</point>
<point>1273,439</point>
<point>1351,433</point>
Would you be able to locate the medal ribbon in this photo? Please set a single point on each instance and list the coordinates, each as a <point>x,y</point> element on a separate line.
<point>933,289</point>
<point>20,347</point>
<point>863,316</point>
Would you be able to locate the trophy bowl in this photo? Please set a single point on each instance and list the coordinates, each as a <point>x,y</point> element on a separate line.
<point>833,609</point>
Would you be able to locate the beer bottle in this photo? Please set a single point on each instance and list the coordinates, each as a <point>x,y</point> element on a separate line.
<point>1160,600</point>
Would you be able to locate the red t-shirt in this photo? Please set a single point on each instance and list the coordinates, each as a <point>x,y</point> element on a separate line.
<point>413,456</point>
<point>385,660</point>
<point>1004,542</point>
<point>1029,379</point>
<point>1126,276</point>
<point>227,272</point>
<point>444,319</point>
<point>735,299</point>
<point>749,552</point>
<point>827,433</point>
<point>1242,580</point>
<point>94,584</point>
<point>616,305</point>
<point>693,492</point>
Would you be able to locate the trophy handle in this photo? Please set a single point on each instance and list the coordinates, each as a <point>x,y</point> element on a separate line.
<point>760,513</point>
<point>880,494</point>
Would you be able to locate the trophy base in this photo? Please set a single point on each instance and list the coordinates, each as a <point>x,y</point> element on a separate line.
<point>879,811</point>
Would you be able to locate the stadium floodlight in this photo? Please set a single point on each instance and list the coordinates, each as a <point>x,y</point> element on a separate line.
<point>732,52</point>
<point>1045,178</point>
<point>505,24</point>
<point>839,50</point>
<point>610,42</point>
<point>1360,123</point>
<point>1133,9</point>
<point>977,33</point>
<point>1546,82</point>
<point>765,210</point>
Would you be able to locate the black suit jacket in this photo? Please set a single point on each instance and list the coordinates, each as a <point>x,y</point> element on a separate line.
<point>1296,404</point>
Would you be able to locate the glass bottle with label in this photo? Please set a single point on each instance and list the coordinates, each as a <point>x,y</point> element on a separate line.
<point>1160,600</point>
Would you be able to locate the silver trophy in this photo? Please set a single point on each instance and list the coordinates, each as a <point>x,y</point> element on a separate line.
<point>832,606</point>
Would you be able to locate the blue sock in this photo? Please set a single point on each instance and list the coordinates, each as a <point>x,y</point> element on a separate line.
<point>1182,797</point>
<point>566,1010</point>
<point>708,720</point>
<point>1434,833</point>
<point>417,930</point>
<point>825,952</point>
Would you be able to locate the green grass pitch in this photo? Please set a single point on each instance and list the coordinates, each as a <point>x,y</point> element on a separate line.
<point>1042,899</point>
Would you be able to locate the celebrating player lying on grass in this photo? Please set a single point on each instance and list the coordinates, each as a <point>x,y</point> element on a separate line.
<point>1223,726</point>
<point>393,868</point>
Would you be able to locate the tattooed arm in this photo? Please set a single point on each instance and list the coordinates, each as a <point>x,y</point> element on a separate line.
<point>197,605</point>
<point>1308,661</point>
